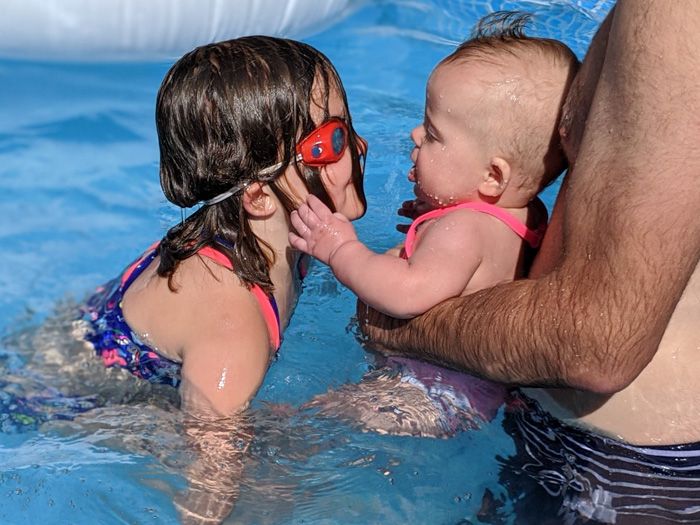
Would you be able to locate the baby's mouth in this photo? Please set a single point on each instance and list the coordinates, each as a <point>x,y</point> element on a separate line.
<point>416,184</point>
<point>412,173</point>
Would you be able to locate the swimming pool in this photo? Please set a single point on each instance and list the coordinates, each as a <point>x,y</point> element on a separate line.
<point>79,195</point>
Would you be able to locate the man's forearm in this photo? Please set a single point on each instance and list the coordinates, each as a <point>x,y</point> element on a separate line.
<point>470,333</point>
<point>559,330</point>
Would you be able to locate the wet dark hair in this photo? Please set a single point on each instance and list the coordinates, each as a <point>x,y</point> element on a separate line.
<point>225,112</point>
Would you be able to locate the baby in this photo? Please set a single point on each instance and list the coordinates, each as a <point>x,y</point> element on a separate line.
<point>487,146</point>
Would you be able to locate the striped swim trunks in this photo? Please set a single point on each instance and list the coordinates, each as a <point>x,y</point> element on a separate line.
<point>565,475</point>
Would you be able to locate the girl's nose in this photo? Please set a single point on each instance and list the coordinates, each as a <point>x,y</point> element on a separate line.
<point>362,145</point>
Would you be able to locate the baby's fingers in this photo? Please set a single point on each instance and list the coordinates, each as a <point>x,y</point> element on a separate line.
<point>308,217</point>
<point>299,224</point>
<point>408,205</point>
<point>413,208</point>
<point>298,243</point>
<point>318,208</point>
<point>341,217</point>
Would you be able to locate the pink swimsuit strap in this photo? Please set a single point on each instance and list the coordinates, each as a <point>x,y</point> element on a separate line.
<point>532,237</point>
<point>267,309</point>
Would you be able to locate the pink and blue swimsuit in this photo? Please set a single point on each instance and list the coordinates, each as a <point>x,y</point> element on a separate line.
<point>119,345</point>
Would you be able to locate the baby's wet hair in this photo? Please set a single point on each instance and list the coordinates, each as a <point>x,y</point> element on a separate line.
<point>225,113</point>
<point>504,32</point>
<point>501,24</point>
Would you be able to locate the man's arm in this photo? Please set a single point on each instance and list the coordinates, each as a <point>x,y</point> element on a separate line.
<point>630,237</point>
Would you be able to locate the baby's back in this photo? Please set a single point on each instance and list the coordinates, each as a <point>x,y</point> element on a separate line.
<point>493,244</point>
<point>503,253</point>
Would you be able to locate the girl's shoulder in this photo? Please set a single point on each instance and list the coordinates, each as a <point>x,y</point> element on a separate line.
<point>226,337</point>
<point>210,291</point>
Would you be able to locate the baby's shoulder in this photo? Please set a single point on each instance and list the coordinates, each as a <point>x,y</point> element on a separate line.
<point>463,220</point>
<point>456,226</point>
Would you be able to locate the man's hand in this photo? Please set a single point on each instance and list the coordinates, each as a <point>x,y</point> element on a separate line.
<point>319,232</point>
<point>412,209</point>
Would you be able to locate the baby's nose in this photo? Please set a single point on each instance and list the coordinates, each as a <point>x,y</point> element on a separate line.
<point>417,134</point>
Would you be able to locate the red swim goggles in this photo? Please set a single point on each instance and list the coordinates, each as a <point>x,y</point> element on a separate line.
<point>325,144</point>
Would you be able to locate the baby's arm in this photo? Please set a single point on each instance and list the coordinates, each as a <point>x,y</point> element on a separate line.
<point>440,268</point>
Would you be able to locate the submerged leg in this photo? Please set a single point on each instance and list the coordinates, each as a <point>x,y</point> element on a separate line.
<point>415,399</point>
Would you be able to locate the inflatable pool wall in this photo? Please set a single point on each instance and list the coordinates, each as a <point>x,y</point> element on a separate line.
<point>138,30</point>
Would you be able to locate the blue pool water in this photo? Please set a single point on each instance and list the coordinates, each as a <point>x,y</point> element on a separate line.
<point>79,197</point>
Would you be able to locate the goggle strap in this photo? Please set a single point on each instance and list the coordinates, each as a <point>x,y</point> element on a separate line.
<point>242,185</point>
<point>271,169</point>
<point>225,195</point>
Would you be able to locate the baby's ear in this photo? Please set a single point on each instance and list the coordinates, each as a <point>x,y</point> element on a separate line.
<point>258,201</point>
<point>496,179</point>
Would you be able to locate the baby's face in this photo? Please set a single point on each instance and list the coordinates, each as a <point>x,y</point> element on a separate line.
<point>450,157</point>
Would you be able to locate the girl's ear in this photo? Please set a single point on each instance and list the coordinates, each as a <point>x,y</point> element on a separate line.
<point>496,178</point>
<point>258,201</point>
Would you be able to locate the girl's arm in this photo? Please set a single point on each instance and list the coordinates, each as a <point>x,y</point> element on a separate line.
<point>224,363</point>
<point>213,477</point>
<point>441,267</point>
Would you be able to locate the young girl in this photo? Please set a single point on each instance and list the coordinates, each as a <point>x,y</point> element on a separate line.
<point>247,129</point>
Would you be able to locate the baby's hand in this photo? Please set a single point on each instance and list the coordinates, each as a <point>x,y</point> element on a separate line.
<point>412,209</point>
<point>320,232</point>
